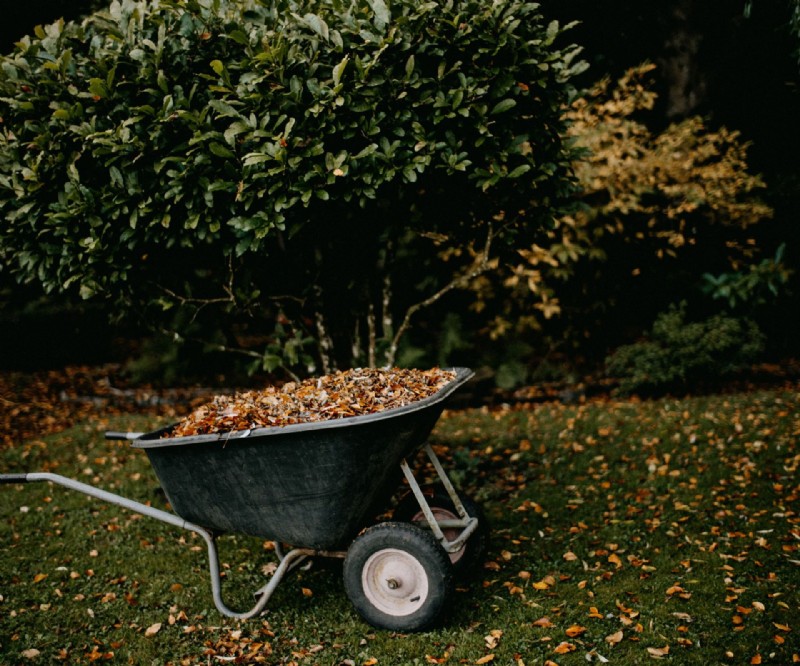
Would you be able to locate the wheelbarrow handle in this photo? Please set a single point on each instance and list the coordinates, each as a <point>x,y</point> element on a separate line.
<point>262,595</point>
<point>13,478</point>
<point>112,434</point>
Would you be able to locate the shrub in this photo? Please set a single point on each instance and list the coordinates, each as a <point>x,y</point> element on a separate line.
<point>241,163</point>
<point>657,212</point>
<point>759,284</point>
<point>680,199</point>
<point>678,353</point>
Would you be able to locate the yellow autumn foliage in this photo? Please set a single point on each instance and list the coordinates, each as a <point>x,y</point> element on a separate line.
<point>657,191</point>
<point>638,182</point>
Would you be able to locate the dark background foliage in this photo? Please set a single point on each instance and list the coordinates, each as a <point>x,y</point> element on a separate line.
<point>736,65</point>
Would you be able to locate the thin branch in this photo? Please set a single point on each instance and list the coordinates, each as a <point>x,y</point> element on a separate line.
<point>219,347</point>
<point>325,343</point>
<point>216,346</point>
<point>386,299</point>
<point>480,267</point>
<point>372,336</point>
<point>201,302</point>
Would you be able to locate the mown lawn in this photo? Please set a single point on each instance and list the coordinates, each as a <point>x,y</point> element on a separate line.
<point>623,532</point>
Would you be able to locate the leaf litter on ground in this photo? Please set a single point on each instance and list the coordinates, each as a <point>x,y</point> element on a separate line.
<point>652,524</point>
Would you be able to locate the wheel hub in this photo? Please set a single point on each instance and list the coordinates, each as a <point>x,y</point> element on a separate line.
<point>395,582</point>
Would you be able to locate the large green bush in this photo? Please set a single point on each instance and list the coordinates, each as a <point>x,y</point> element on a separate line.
<point>281,165</point>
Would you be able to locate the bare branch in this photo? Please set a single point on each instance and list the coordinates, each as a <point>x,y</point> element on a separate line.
<point>200,302</point>
<point>386,321</point>
<point>478,268</point>
<point>372,336</point>
<point>203,302</point>
<point>325,343</point>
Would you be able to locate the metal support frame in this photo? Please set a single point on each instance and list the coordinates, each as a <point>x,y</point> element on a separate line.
<point>466,523</point>
<point>287,561</point>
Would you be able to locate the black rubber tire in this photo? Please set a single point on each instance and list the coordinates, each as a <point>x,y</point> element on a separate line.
<point>397,577</point>
<point>468,558</point>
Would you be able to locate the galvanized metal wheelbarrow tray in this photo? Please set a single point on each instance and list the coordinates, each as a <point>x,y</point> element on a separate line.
<point>314,486</point>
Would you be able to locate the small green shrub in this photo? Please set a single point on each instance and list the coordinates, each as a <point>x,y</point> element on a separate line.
<point>757,285</point>
<point>679,353</point>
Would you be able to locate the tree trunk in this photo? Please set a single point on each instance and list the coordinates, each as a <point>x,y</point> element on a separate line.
<point>684,79</point>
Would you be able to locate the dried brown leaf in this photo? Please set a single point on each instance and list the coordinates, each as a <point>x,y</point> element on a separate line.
<point>337,395</point>
<point>575,630</point>
<point>658,653</point>
<point>153,629</point>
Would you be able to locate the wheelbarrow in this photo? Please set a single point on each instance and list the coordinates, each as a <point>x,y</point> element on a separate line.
<point>316,486</point>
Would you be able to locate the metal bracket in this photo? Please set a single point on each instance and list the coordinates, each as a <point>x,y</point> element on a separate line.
<point>466,523</point>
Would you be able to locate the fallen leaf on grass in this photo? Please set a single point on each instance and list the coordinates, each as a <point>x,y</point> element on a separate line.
<point>96,655</point>
<point>658,653</point>
<point>153,629</point>
<point>493,639</point>
<point>486,659</point>
<point>31,653</point>
<point>678,591</point>
<point>564,648</point>
<point>575,630</point>
<point>615,638</point>
<point>543,622</point>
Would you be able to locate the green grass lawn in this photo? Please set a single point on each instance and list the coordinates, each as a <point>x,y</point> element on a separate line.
<point>622,532</point>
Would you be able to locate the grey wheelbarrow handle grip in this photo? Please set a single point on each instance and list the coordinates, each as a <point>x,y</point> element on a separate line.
<point>13,478</point>
<point>111,434</point>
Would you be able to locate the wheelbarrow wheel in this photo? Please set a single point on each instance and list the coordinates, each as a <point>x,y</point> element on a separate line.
<point>397,576</point>
<point>470,555</point>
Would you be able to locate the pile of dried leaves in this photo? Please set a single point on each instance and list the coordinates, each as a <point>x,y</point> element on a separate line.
<point>338,395</point>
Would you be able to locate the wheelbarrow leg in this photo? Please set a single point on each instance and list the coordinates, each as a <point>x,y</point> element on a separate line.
<point>263,594</point>
<point>466,523</point>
